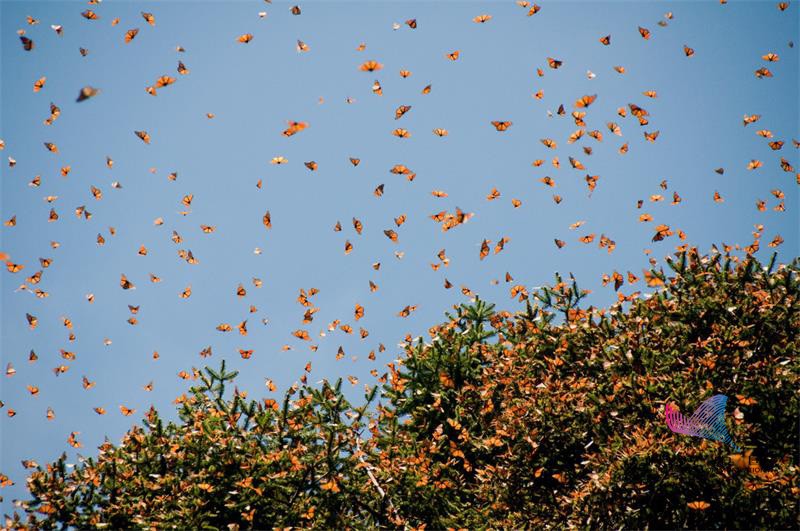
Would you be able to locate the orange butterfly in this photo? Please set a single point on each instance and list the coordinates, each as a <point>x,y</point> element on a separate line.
<point>698,505</point>
<point>501,126</point>
<point>370,66</point>
<point>585,101</point>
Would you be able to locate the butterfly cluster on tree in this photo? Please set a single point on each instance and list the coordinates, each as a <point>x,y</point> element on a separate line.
<point>548,417</point>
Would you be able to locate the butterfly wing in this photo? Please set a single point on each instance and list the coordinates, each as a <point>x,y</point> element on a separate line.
<point>708,421</point>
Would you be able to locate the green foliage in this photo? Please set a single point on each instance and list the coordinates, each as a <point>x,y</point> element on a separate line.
<point>550,417</point>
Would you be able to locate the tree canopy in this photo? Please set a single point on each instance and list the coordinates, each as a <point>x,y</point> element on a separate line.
<point>553,416</point>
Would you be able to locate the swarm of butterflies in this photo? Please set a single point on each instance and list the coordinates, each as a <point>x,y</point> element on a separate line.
<point>31,277</point>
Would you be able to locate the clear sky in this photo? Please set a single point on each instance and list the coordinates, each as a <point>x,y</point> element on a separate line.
<point>254,89</point>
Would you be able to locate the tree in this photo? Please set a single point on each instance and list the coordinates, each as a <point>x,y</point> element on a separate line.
<point>550,417</point>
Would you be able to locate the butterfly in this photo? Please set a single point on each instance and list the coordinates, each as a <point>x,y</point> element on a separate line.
<point>501,126</point>
<point>708,421</point>
<point>370,66</point>
<point>698,505</point>
<point>606,40</point>
<point>585,101</point>
<point>554,63</point>
<point>27,44</point>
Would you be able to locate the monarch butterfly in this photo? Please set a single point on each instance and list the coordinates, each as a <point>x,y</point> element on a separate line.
<point>763,72</point>
<point>405,312</point>
<point>481,19</point>
<point>644,32</point>
<point>650,93</point>
<point>606,40</point>
<point>439,193</point>
<point>164,81</point>
<point>143,135</point>
<point>392,235</point>
<point>355,162</point>
<point>401,110</point>
<point>370,66</point>
<point>359,312</point>
<point>57,28</point>
<point>585,101</point>
<point>533,10</point>
<point>453,56</point>
<point>126,411</point>
<point>405,73</point>
<point>554,63</point>
<point>589,238</point>
<point>651,137</point>
<point>125,283</point>
<point>39,84</point>
<point>440,132</point>
<point>501,126</point>
<point>576,164</point>
<point>516,203</point>
<point>771,57</point>
<point>411,23</point>
<point>89,15</point>
<point>348,247</point>
<point>688,51</point>
<point>278,160</point>
<point>295,10</point>
<point>83,51</point>
<point>574,137</point>
<point>182,70</point>
<point>294,128</point>
<point>245,38</point>
<point>311,165</point>
<point>51,147</point>
<point>399,220</point>
<point>427,89</point>
<point>149,18</point>
<point>619,69</point>
<point>560,243</point>
<point>401,133</point>
<point>698,505</point>
<point>494,194</point>
<point>623,148</point>
<point>131,34</point>
<point>776,145</point>
<point>301,46</point>
<point>783,5</point>
<point>753,164</point>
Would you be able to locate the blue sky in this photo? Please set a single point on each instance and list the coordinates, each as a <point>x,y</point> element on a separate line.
<point>253,89</point>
